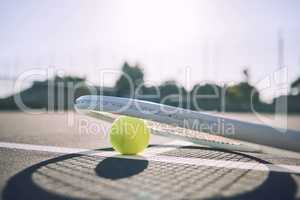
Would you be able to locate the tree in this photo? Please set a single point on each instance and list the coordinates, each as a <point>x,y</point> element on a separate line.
<point>241,96</point>
<point>130,79</point>
<point>206,97</point>
<point>295,86</point>
<point>172,94</point>
<point>246,74</point>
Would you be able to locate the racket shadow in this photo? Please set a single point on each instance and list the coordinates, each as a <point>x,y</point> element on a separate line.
<point>74,176</point>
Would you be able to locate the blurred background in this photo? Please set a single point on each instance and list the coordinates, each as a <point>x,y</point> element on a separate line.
<point>236,51</point>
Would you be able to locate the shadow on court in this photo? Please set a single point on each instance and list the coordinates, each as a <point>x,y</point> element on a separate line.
<point>78,176</point>
<point>117,168</point>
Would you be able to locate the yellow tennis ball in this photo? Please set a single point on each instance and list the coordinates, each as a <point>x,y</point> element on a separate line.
<point>129,135</point>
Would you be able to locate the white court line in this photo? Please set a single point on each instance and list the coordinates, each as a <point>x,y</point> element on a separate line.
<point>52,149</point>
<point>153,157</point>
<point>66,150</point>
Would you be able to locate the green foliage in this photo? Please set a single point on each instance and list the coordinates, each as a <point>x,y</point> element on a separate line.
<point>239,97</point>
<point>206,97</point>
<point>171,88</point>
<point>130,79</point>
<point>296,83</point>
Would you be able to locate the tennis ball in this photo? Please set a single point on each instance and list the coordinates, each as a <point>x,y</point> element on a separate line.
<point>129,135</point>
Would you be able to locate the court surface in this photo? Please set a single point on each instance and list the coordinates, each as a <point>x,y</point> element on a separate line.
<point>67,156</point>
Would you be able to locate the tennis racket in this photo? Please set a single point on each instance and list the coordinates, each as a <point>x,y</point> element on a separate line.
<point>197,127</point>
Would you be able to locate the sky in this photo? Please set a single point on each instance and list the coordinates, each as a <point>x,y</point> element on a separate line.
<point>198,40</point>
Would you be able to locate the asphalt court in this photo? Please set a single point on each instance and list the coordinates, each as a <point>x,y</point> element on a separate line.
<point>40,166</point>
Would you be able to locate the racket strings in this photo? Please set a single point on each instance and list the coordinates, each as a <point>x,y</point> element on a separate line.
<point>189,133</point>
